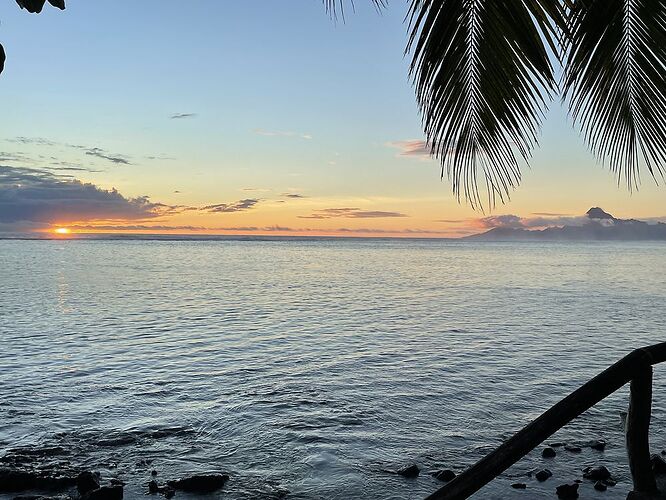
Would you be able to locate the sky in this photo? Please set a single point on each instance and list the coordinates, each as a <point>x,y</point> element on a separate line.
<point>253,117</point>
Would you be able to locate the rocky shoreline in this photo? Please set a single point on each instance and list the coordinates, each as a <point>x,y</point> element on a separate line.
<point>44,473</point>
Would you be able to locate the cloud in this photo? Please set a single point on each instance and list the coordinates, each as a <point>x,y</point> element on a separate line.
<point>100,153</point>
<point>39,141</point>
<point>414,148</point>
<point>280,133</point>
<point>294,196</point>
<point>180,116</point>
<point>516,222</point>
<point>351,213</point>
<point>237,206</point>
<point>39,196</point>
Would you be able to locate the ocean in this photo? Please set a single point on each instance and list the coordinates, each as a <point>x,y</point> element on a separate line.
<point>312,368</point>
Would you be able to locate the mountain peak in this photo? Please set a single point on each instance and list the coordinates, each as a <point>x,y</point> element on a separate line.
<point>598,213</point>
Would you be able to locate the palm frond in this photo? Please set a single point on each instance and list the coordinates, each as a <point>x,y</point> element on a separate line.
<point>615,81</point>
<point>36,6</point>
<point>483,81</point>
<point>333,7</point>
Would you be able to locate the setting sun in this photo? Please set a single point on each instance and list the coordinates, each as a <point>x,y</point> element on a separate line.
<point>63,230</point>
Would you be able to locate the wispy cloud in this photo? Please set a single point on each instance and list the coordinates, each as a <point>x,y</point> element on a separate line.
<point>100,153</point>
<point>413,148</point>
<point>281,133</point>
<point>180,116</point>
<point>237,206</point>
<point>351,213</point>
<point>294,196</point>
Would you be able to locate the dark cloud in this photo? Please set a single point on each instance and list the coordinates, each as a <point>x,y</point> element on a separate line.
<point>39,196</point>
<point>351,213</point>
<point>100,153</point>
<point>180,116</point>
<point>294,196</point>
<point>237,206</point>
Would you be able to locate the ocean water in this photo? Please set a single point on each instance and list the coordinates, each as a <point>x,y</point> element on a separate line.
<point>312,368</point>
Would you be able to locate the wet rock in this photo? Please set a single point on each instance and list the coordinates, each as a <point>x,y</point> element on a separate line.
<point>519,486</point>
<point>556,445</point>
<point>445,475</point>
<point>153,473</point>
<point>609,482</point>
<point>567,491</point>
<point>105,493</point>
<point>599,445</point>
<point>600,486</point>
<point>203,483</point>
<point>600,473</point>
<point>548,453</point>
<point>117,482</point>
<point>87,481</point>
<point>167,491</point>
<point>573,449</point>
<point>543,474</point>
<point>153,487</point>
<point>411,471</point>
<point>658,464</point>
<point>12,480</point>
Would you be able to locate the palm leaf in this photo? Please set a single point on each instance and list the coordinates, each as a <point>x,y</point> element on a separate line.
<point>615,81</point>
<point>335,6</point>
<point>483,81</point>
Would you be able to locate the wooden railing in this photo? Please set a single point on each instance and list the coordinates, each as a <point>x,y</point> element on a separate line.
<point>636,368</point>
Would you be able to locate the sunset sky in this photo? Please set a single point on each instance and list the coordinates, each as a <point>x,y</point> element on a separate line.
<point>246,118</point>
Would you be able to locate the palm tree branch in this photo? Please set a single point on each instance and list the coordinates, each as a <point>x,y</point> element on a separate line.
<point>483,80</point>
<point>615,82</point>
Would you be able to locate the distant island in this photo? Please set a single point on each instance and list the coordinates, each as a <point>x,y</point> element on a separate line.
<point>597,225</point>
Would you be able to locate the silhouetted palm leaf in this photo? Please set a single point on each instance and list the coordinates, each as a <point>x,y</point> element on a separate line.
<point>615,81</point>
<point>335,6</point>
<point>483,81</point>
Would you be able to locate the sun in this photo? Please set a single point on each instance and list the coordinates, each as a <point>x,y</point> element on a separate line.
<point>63,230</point>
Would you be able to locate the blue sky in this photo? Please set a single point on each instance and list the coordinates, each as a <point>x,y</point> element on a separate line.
<point>283,101</point>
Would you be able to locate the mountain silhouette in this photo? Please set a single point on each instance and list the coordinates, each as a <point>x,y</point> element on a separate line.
<point>598,225</point>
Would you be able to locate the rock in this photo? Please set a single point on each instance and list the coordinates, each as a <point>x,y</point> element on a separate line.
<point>609,482</point>
<point>658,464</point>
<point>567,491</point>
<point>599,486</point>
<point>13,480</point>
<point>556,445</point>
<point>599,445</point>
<point>167,491</point>
<point>117,482</point>
<point>548,453</point>
<point>153,487</point>
<point>445,475</point>
<point>203,483</point>
<point>573,449</point>
<point>411,471</point>
<point>600,473</point>
<point>153,473</point>
<point>543,474</point>
<point>87,481</point>
<point>519,486</point>
<point>105,493</point>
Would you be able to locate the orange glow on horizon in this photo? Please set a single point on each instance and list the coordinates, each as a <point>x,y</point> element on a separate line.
<point>62,231</point>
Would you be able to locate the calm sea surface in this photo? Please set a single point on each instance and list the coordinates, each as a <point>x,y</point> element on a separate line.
<point>313,367</point>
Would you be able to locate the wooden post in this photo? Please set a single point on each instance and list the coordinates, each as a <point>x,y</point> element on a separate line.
<point>630,368</point>
<point>638,426</point>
